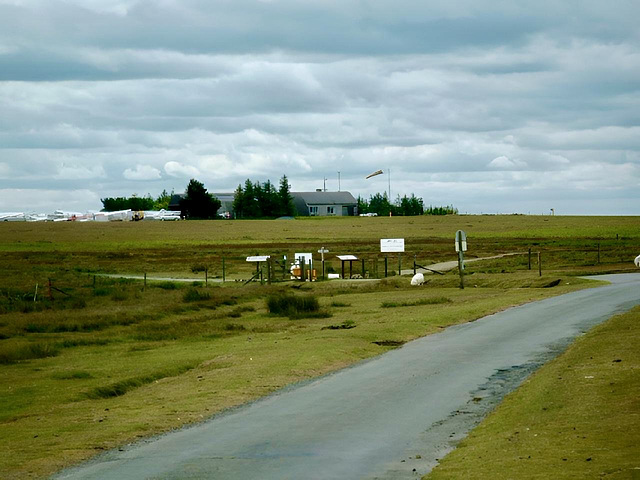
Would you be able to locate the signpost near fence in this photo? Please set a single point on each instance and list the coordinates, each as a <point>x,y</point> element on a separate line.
<point>392,245</point>
<point>322,251</point>
<point>461,247</point>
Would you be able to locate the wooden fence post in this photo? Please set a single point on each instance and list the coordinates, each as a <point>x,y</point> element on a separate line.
<point>539,264</point>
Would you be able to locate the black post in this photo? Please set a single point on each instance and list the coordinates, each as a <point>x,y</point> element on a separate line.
<point>342,269</point>
<point>399,264</point>
<point>386,266</point>
<point>269,271</point>
<point>302,265</point>
<point>529,258</point>
<point>598,253</point>
<point>460,268</point>
<point>206,277</point>
<point>145,280</point>
<point>414,264</point>
<point>224,271</point>
<point>539,265</point>
<point>350,268</point>
<point>363,268</point>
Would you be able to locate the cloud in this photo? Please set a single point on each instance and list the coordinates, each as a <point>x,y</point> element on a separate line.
<point>504,163</point>
<point>141,172</point>
<point>478,98</point>
<point>79,172</point>
<point>177,169</point>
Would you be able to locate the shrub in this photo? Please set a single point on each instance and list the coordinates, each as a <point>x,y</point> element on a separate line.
<point>294,306</point>
<point>28,352</point>
<point>166,285</point>
<point>194,295</point>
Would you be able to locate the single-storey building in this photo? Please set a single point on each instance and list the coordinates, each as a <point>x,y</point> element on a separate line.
<point>323,204</point>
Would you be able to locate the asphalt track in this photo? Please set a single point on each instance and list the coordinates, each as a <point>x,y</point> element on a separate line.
<point>389,418</point>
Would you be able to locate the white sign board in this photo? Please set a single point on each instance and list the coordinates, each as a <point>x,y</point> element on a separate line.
<point>258,258</point>
<point>347,257</point>
<point>307,258</point>
<point>392,245</point>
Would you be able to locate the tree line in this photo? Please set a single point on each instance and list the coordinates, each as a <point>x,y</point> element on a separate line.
<point>113,204</point>
<point>402,206</point>
<point>263,200</point>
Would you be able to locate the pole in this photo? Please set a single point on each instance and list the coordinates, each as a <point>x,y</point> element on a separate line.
<point>206,277</point>
<point>414,263</point>
<point>399,264</point>
<point>461,268</point>
<point>342,269</point>
<point>350,268</point>
<point>269,271</point>
<point>529,258</point>
<point>598,253</point>
<point>386,266</point>
<point>302,265</point>
<point>145,280</point>
<point>389,177</point>
<point>539,265</point>
<point>224,272</point>
<point>363,268</point>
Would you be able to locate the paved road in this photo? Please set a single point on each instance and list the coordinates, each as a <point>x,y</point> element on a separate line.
<point>372,420</point>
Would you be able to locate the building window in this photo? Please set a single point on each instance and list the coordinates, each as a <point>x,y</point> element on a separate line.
<point>313,211</point>
<point>331,211</point>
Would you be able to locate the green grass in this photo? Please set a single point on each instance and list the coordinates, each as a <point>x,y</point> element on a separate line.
<point>123,386</point>
<point>128,338</point>
<point>577,417</point>
<point>415,303</point>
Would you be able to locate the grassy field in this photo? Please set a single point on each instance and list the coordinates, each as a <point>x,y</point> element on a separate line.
<point>577,417</point>
<point>108,361</point>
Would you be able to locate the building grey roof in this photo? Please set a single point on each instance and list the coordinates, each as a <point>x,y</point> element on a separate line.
<point>326,198</point>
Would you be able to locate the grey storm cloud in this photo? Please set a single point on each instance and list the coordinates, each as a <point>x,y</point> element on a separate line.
<point>494,106</point>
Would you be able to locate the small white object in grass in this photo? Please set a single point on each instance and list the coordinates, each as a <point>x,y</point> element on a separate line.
<point>418,279</point>
<point>637,261</point>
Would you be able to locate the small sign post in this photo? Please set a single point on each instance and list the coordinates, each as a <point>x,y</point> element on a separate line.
<point>322,251</point>
<point>350,259</point>
<point>394,245</point>
<point>461,247</point>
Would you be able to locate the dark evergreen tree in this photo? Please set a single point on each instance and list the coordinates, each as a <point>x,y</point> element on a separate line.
<point>198,204</point>
<point>285,207</point>
<point>363,205</point>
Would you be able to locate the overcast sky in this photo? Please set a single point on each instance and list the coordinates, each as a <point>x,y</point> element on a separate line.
<point>492,106</point>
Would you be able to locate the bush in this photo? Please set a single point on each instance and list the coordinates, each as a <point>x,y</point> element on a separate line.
<point>194,295</point>
<point>28,352</point>
<point>294,306</point>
